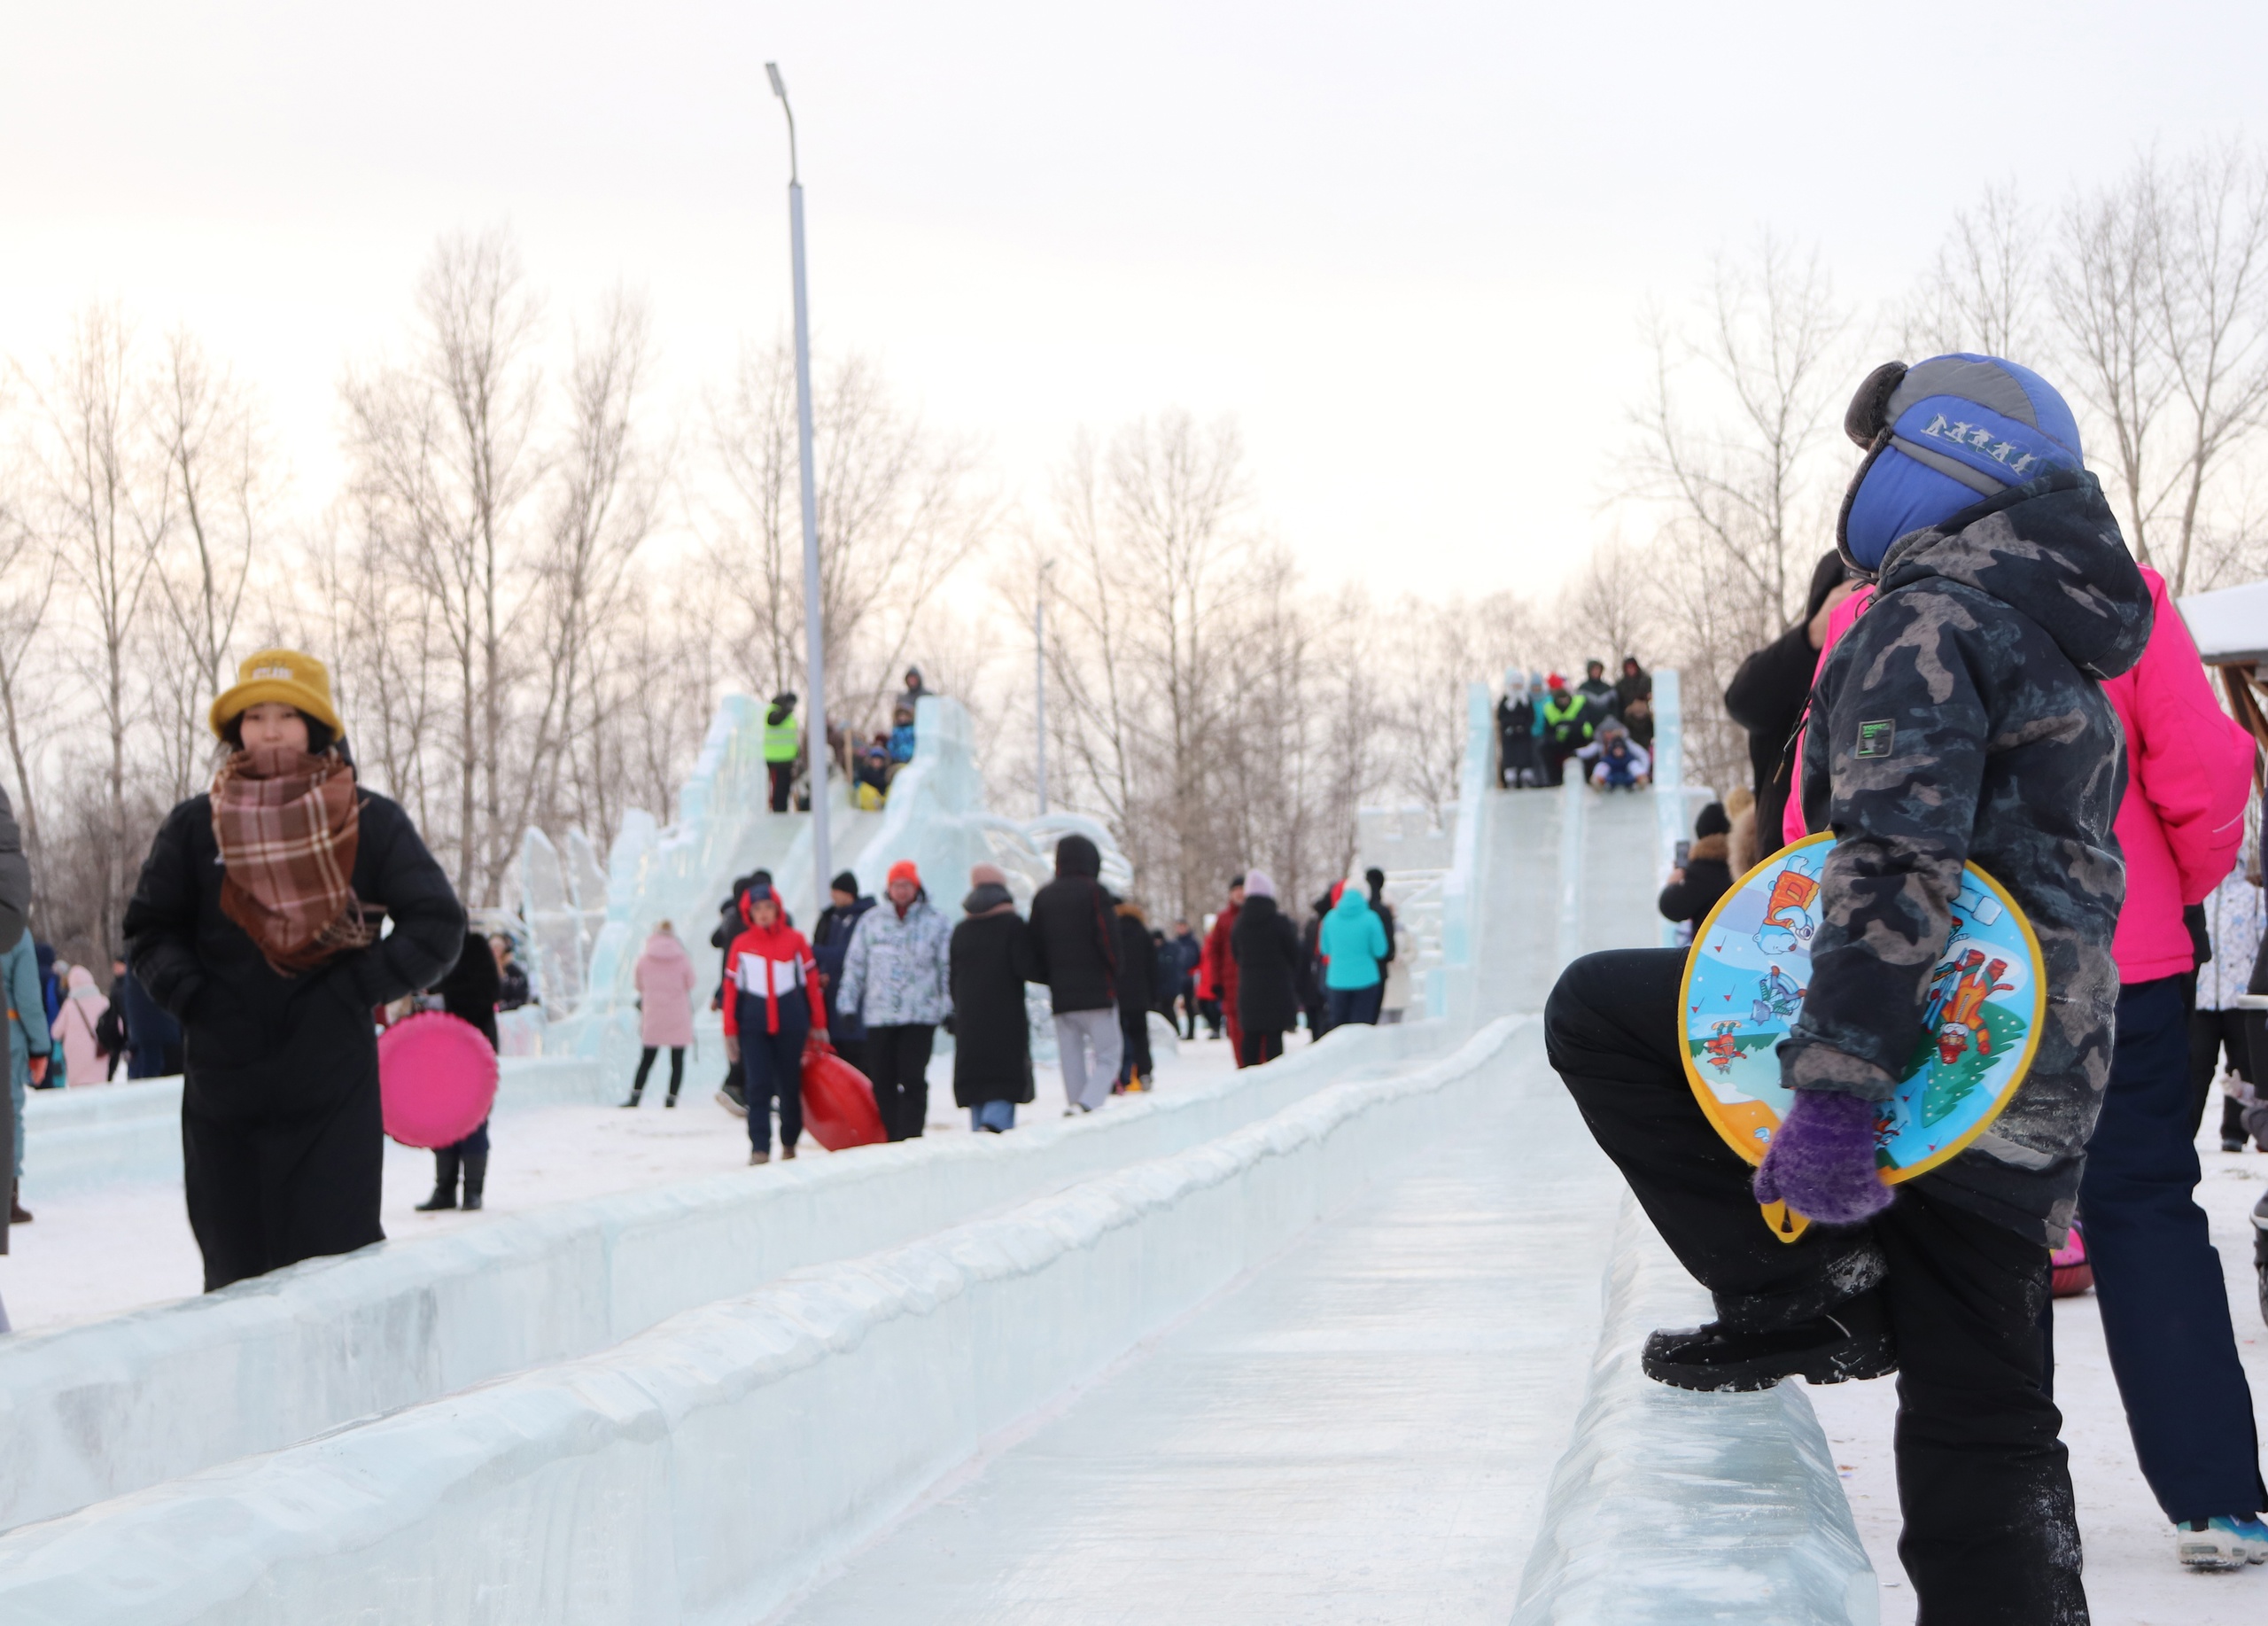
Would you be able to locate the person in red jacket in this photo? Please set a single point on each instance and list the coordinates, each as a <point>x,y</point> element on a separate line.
<point>1217,949</point>
<point>2164,1301</point>
<point>772,1005</point>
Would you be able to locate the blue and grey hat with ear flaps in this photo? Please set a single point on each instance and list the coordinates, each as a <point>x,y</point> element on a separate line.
<point>1941,435</point>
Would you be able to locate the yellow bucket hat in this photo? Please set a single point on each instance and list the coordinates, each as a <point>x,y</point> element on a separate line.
<point>297,680</point>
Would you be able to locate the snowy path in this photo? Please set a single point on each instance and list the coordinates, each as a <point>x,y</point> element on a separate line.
<point>99,1251</point>
<point>2131,1576</point>
<point>1362,1430</point>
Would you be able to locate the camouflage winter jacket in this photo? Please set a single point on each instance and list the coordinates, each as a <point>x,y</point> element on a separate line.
<point>1962,719</point>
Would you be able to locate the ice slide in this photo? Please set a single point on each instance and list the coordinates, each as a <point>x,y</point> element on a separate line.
<point>1323,1339</point>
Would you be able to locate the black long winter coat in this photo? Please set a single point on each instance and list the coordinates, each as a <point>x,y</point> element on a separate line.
<point>1075,932</point>
<point>1766,697</point>
<point>15,907</point>
<point>1708,876</point>
<point>470,990</point>
<point>1272,983</point>
<point>1137,967</point>
<point>988,963</point>
<point>260,1045</point>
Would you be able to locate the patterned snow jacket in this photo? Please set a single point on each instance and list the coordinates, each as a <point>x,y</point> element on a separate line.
<point>898,972</point>
<point>1963,718</point>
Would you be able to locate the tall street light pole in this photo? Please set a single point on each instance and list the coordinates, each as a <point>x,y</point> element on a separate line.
<point>1039,679</point>
<point>816,750</point>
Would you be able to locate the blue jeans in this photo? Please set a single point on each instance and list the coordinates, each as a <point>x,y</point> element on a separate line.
<point>1361,1005</point>
<point>996,1115</point>
<point>2157,1278</point>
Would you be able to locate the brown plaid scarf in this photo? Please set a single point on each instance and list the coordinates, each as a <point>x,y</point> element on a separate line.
<point>288,824</point>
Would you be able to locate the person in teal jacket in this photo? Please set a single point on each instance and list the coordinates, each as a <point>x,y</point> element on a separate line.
<point>29,1042</point>
<point>1353,944</point>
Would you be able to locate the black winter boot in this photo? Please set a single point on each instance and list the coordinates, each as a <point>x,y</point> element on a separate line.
<point>476,1177</point>
<point>1850,1341</point>
<point>17,1214</point>
<point>445,1182</point>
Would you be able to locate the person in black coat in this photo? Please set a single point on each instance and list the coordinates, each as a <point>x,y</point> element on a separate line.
<point>1706,875</point>
<point>732,1094</point>
<point>282,1135</point>
<point>1272,981</point>
<point>989,962</point>
<point>1137,960</point>
<point>830,944</point>
<point>1768,693</point>
<point>1311,968</point>
<point>1074,937</point>
<point>469,992</point>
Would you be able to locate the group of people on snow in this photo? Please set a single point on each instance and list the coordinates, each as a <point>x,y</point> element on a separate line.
<point>868,766</point>
<point>1607,728</point>
<point>878,977</point>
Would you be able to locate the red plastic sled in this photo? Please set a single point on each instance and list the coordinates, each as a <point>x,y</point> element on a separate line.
<point>838,1101</point>
<point>437,1078</point>
<point>2068,1268</point>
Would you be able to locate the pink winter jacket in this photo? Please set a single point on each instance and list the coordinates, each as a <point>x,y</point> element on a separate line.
<point>664,993</point>
<point>1838,622</point>
<point>2188,772</point>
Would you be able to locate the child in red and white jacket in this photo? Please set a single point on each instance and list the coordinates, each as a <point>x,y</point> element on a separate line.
<point>773,1004</point>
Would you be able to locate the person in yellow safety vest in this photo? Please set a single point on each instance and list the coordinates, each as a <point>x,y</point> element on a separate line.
<point>1569,720</point>
<point>782,743</point>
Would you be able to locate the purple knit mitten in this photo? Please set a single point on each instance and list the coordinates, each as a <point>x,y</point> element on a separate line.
<point>1821,1160</point>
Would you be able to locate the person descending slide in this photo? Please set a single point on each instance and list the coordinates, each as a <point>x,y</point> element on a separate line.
<point>1961,718</point>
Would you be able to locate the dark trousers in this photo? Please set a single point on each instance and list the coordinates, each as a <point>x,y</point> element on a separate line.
<point>2157,1277</point>
<point>772,1065</point>
<point>897,1060</point>
<point>1354,1005</point>
<point>783,783</point>
<point>1555,757</point>
<point>646,1065</point>
<point>268,1192</point>
<point>1134,1050</point>
<point>2211,1033</point>
<point>1254,1047</point>
<point>1991,1537</point>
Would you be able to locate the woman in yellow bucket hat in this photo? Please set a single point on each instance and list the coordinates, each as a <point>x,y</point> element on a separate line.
<point>256,925</point>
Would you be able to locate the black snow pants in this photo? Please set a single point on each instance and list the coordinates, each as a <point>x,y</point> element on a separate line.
<point>1991,1536</point>
<point>898,1060</point>
<point>267,1192</point>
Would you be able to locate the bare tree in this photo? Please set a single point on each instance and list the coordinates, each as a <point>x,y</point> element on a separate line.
<point>111,513</point>
<point>1986,292</point>
<point>2162,294</point>
<point>444,464</point>
<point>216,464</point>
<point>899,508</point>
<point>1736,469</point>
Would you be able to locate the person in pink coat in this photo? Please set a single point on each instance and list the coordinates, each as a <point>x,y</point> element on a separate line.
<point>2157,1278</point>
<point>75,1025</point>
<point>665,979</point>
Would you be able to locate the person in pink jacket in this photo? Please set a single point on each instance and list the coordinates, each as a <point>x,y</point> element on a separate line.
<point>2164,1301</point>
<point>665,978</point>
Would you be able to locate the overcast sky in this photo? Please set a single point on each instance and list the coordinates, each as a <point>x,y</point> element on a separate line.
<point>1407,247</point>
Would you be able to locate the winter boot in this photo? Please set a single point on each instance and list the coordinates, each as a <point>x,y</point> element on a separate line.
<point>756,1158</point>
<point>787,1153</point>
<point>732,1099</point>
<point>2230,1542</point>
<point>636,1090</point>
<point>671,1101</point>
<point>476,1177</point>
<point>445,1182</point>
<point>17,1214</point>
<point>1850,1341</point>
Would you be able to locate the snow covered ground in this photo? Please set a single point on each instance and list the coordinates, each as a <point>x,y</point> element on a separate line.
<point>97,1252</point>
<point>2131,1575</point>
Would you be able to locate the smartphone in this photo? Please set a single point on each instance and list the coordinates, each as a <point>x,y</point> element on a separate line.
<point>1683,847</point>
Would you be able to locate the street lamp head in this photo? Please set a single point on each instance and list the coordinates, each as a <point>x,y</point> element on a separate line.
<point>778,85</point>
